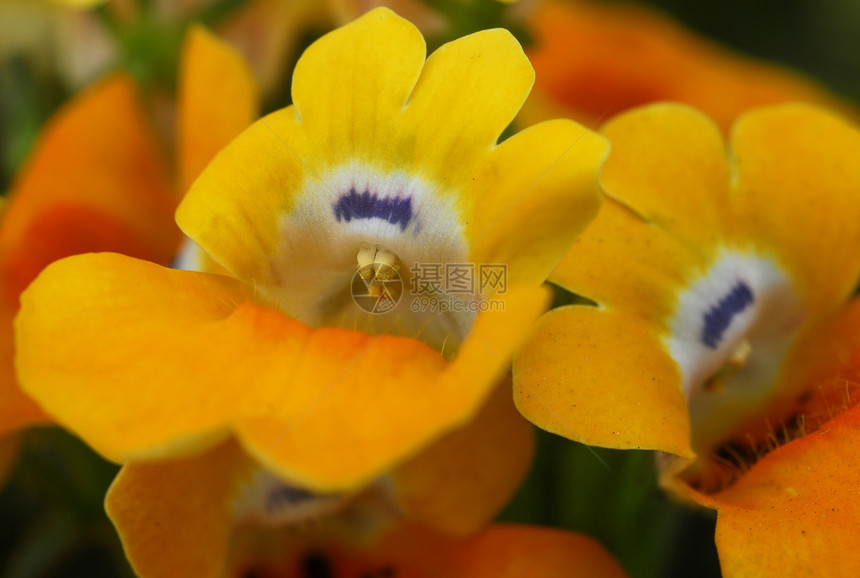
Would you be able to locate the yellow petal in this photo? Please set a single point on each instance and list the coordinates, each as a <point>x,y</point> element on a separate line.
<point>217,100</point>
<point>625,262</point>
<point>541,191</point>
<point>668,164</point>
<point>602,377</point>
<point>798,177</point>
<point>125,353</point>
<point>350,88</point>
<point>469,91</point>
<point>461,481</point>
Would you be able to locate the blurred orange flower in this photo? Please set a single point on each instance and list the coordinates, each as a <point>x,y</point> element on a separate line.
<point>594,60</point>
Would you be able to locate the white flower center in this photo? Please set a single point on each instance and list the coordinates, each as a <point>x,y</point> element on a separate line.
<point>729,335</point>
<point>347,212</point>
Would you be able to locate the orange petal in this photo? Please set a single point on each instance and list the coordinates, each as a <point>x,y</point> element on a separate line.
<point>796,512</point>
<point>460,482</point>
<point>389,398</point>
<point>602,377</point>
<point>594,60</point>
<point>217,100</point>
<point>95,182</point>
<point>173,517</point>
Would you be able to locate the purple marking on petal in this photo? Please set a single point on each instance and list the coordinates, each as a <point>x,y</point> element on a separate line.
<point>718,319</point>
<point>367,205</point>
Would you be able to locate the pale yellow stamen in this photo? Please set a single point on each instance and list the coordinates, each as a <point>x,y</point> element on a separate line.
<point>378,267</point>
<point>740,354</point>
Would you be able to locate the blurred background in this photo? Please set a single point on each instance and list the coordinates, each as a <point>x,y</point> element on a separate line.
<point>51,517</point>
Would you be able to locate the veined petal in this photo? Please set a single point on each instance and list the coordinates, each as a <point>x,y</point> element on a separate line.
<point>796,513</point>
<point>350,88</point>
<point>548,175</point>
<point>209,119</point>
<point>459,482</point>
<point>174,517</point>
<point>815,235</point>
<point>602,377</point>
<point>397,397</point>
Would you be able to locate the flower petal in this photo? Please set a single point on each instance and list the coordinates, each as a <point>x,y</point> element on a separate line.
<point>500,551</point>
<point>796,513</point>
<point>193,345</point>
<point>173,516</point>
<point>469,91</point>
<point>410,551</point>
<point>798,176</point>
<point>209,119</point>
<point>636,55</point>
<point>677,181</point>
<point>459,482</point>
<point>93,183</point>
<point>623,261</point>
<point>548,175</point>
<point>602,377</point>
<point>351,85</point>
<point>17,410</point>
<point>61,205</point>
<point>129,367</point>
<point>392,402</point>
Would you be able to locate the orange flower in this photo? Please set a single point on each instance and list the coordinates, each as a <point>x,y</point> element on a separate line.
<point>594,60</point>
<point>96,181</point>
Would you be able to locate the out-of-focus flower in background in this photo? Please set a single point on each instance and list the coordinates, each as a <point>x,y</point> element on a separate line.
<point>97,181</point>
<point>708,274</point>
<point>594,60</point>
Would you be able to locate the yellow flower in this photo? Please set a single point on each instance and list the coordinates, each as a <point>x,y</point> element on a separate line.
<point>383,151</point>
<point>594,60</point>
<point>715,277</point>
<point>96,181</point>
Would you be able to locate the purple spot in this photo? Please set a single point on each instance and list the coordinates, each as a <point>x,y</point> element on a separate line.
<point>370,206</point>
<point>718,319</point>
